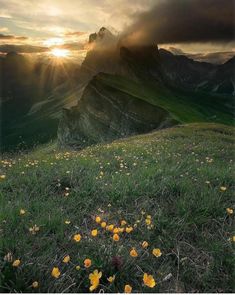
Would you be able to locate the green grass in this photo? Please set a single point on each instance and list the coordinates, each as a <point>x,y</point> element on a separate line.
<point>162,173</point>
<point>183,106</point>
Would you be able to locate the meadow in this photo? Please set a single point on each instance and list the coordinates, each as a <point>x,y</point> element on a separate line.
<point>149,213</point>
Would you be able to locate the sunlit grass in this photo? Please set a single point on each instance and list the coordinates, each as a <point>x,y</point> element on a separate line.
<point>153,213</point>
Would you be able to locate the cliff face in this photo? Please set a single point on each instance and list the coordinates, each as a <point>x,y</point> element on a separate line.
<point>104,113</point>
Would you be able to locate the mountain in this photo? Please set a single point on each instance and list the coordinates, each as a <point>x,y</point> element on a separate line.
<point>140,88</point>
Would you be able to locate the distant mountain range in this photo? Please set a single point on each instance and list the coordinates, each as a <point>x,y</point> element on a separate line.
<point>116,92</point>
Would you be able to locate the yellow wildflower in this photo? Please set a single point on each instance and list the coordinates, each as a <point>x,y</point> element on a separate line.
<point>145,244</point>
<point>35,284</point>
<point>229,211</point>
<point>133,252</point>
<point>16,263</point>
<point>98,219</point>
<point>103,224</point>
<point>148,221</point>
<point>223,188</point>
<point>67,222</point>
<point>66,259</point>
<point>233,238</point>
<point>87,262</point>
<point>121,229</point>
<point>77,238</point>
<point>149,280</point>
<point>78,267</point>
<point>157,252</point>
<point>110,227</point>
<point>22,211</point>
<point>55,272</point>
<point>116,230</point>
<point>94,279</point>
<point>116,237</point>
<point>34,229</point>
<point>94,232</point>
<point>127,289</point>
<point>129,229</point>
<point>2,176</point>
<point>111,279</point>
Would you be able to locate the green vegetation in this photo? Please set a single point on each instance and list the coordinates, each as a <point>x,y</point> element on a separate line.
<point>184,106</point>
<point>182,177</point>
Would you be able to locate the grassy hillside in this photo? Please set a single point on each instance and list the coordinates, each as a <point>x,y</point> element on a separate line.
<point>172,187</point>
<point>185,107</point>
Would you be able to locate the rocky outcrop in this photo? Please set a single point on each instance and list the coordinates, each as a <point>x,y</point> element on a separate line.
<point>105,113</point>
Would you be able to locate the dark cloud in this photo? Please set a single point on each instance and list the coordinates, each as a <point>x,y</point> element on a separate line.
<point>12,37</point>
<point>180,21</point>
<point>6,48</point>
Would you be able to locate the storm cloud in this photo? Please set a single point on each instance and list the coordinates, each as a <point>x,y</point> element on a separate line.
<point>182,21</point>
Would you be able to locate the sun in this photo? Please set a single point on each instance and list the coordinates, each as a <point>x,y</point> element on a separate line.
<point>59,52</point>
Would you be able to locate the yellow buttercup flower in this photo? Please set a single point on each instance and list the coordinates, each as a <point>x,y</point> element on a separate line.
<point>34,229</point>
<point>3,176</point>
<point>116,230</point>
<point>148,221</point>
<point>55,272</point>
<point>94,232</point>
<point>223,188</point>
<point>87,262</point>
<point>133,253</point>
<point>127,289</point>
<point>35,284</point>
<point>121,229</point>
<point>229,211</point>
<point>110,227</point>
<point>116,237</point>
<point>22,211</point>
<point>66,259</point>
<point>129,229</point>
<point>145,244</point>
<point>16,263</point>
<point>103,224</point>
<point>233,238</point>
<point>157,252</point>
<point>78,267</point>
<point>98,219</point>
<point>95,279</point>
<point>149,280</point>
<point>77,238</point>
<point>67,222</point>
<point>111,279</point>
<point>149,217</point>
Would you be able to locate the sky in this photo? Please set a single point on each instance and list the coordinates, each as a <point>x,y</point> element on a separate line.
<point>198,27</point>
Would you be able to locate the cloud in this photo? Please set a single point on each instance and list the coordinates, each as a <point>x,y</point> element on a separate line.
<point>6,48</point>
<point>180,21</point>
<point>76,34</point>
<point>213,57</point>
<point>12,37</point>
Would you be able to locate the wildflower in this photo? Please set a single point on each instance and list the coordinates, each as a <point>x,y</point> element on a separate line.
<point>34,229</point>
<point>133,253</point>
<point>35,284</point>
<point>2,176</point>
<point>127,289</point>
<point>149,280</point>
<point>149,217</point>
<point>157,252</point>
<point>111,279</point>
<point>116,230</point>
<point>77,238</point>
<point>148,221</point>
<point>110,227</point>
<point>116,237</point>
<point>223,188</point>
<point>103,224</point>
<point>120,229</point>
<point>98,219</point>
<point>129,229</point>
<point>233,238</point>
<point>16,263</point>
<point>143,212</point>
<point>207,182</point>
<point>123,223</point>
<point>229,211</point>
<point>66,259</point>
<point>22,211</point>
<point>94,232</point>
<point>78,267</point>
<point>67,222</point>
<point>55,272</point>
<point>94,279</point>
<point>145,244</point>
<point>87,263</point>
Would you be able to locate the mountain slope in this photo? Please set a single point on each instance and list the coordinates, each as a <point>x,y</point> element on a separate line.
<point>179,176</point>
